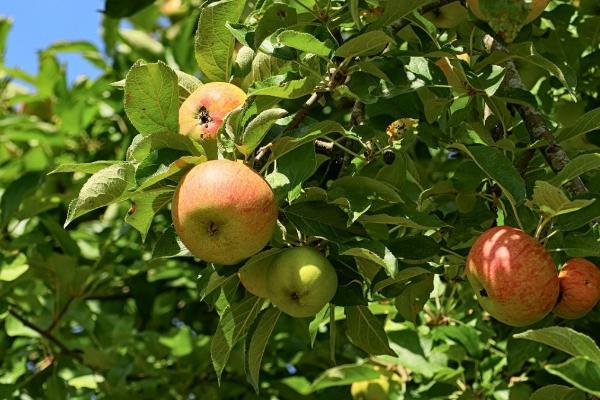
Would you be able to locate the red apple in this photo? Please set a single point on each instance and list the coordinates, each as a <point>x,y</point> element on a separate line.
<point>579,288</point>
<point>224,211</point>
<point>202,113</point>
<point>513,276</point>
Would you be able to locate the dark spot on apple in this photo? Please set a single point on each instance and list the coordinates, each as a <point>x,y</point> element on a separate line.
<point>281,14</point>
<point>389,156</point>
<point>204,116</point>
<point>213,228</point>
<point>586,282</point>
<point>132,208</point>
<point>483,293</point>
<point>294,296</point>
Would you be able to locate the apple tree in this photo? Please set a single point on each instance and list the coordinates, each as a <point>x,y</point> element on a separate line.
<point>306,199</point>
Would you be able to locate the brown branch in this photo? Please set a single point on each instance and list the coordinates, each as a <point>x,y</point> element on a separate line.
<point>404,22</point>
<point>63,348</point>
<point>301,113</point>
<point>59,315</point>
<point>537,127</point>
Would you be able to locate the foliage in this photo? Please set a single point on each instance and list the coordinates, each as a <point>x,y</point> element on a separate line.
<point>390,160</point>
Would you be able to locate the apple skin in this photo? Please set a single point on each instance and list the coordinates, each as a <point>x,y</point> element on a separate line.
<point>253,275</point>
<point>513,276</point>
<point>579,288</point>
<point>224,211</point>
<point>374,389</point>
<point>537,7</point>
<point>202,113</point>
<point>301,281</point>
<point>448,16</point>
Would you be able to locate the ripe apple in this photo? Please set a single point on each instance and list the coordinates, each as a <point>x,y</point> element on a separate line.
<point>448,16</point>
<point>301,281</point>
<point>254,273</point>
<point>579,288</point>
<point>202,113</point>
<point>373,389</point>
<point>224,211</point>
<point>513,276</point>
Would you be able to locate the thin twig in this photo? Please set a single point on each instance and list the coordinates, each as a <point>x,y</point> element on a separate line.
<point>63,348</point>
<point>537,127</point>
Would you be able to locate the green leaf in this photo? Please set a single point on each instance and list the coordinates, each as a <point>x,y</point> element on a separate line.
<point>214,43</point>
<point>256,129</point>
<point>581,244</point>
<point>564,339</point>
<point>577,167</point>
<point>303,135</point>
<point>109,185</point>
<point>304,42</point>
<point>142,41</point>
<point>313,326</point>
<point>16,192</point>
<point>145,206</point>
<point>414,247</point>
<point>375,252</point>
<point>579,218</point>
<point>152,98</point>
<point>233,325</point>
<point>588,122</point>
<point>499,168</point>
<point>17,267</point>
<point>557,392</point>
<point>344,375</point>
<point>366,44</point>
<point>276,16</point>
<point>412,299</point>
<point>86,168</point>
<point>579,372</point>
<point>169,245</point>
<point>466,335</point>
<point>187,84</point>
<point>287,90</point>
<point>359,193</point>
<point>143,145</point>
<point>181,344</point>
<point>293,169</point>
<point>257,342</point>
<point>164,172</point>
<point>394,10</point>
<point>322,220</point>
<point>14,327</point>
<point>553,201</point>
<point>121,9</point>
<point>365,331</point>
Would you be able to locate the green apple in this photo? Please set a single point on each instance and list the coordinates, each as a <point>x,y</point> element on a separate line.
<point>254,273</point>
<point>448,16</point>
<point>301,281</point>
<point>224,212</point>
<point>513,276</point>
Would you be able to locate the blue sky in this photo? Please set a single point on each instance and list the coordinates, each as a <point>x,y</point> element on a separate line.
<point>38,23</point>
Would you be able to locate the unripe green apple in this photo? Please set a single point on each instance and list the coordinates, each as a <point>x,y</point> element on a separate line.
<point>202,113</point>
<point>224,211</point>
<point>448,16</point>
<point>254,273</point>
<point>372,389</point>
<point>513,276</point>
<point>301,281</point>
<point>579,288</point>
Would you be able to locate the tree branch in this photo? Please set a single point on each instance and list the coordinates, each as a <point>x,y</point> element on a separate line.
<point>63,348</point>
<point>537,127</point>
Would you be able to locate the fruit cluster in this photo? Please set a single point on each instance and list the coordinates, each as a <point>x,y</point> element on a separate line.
<point>516,280</point>
<point>224,212</point>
